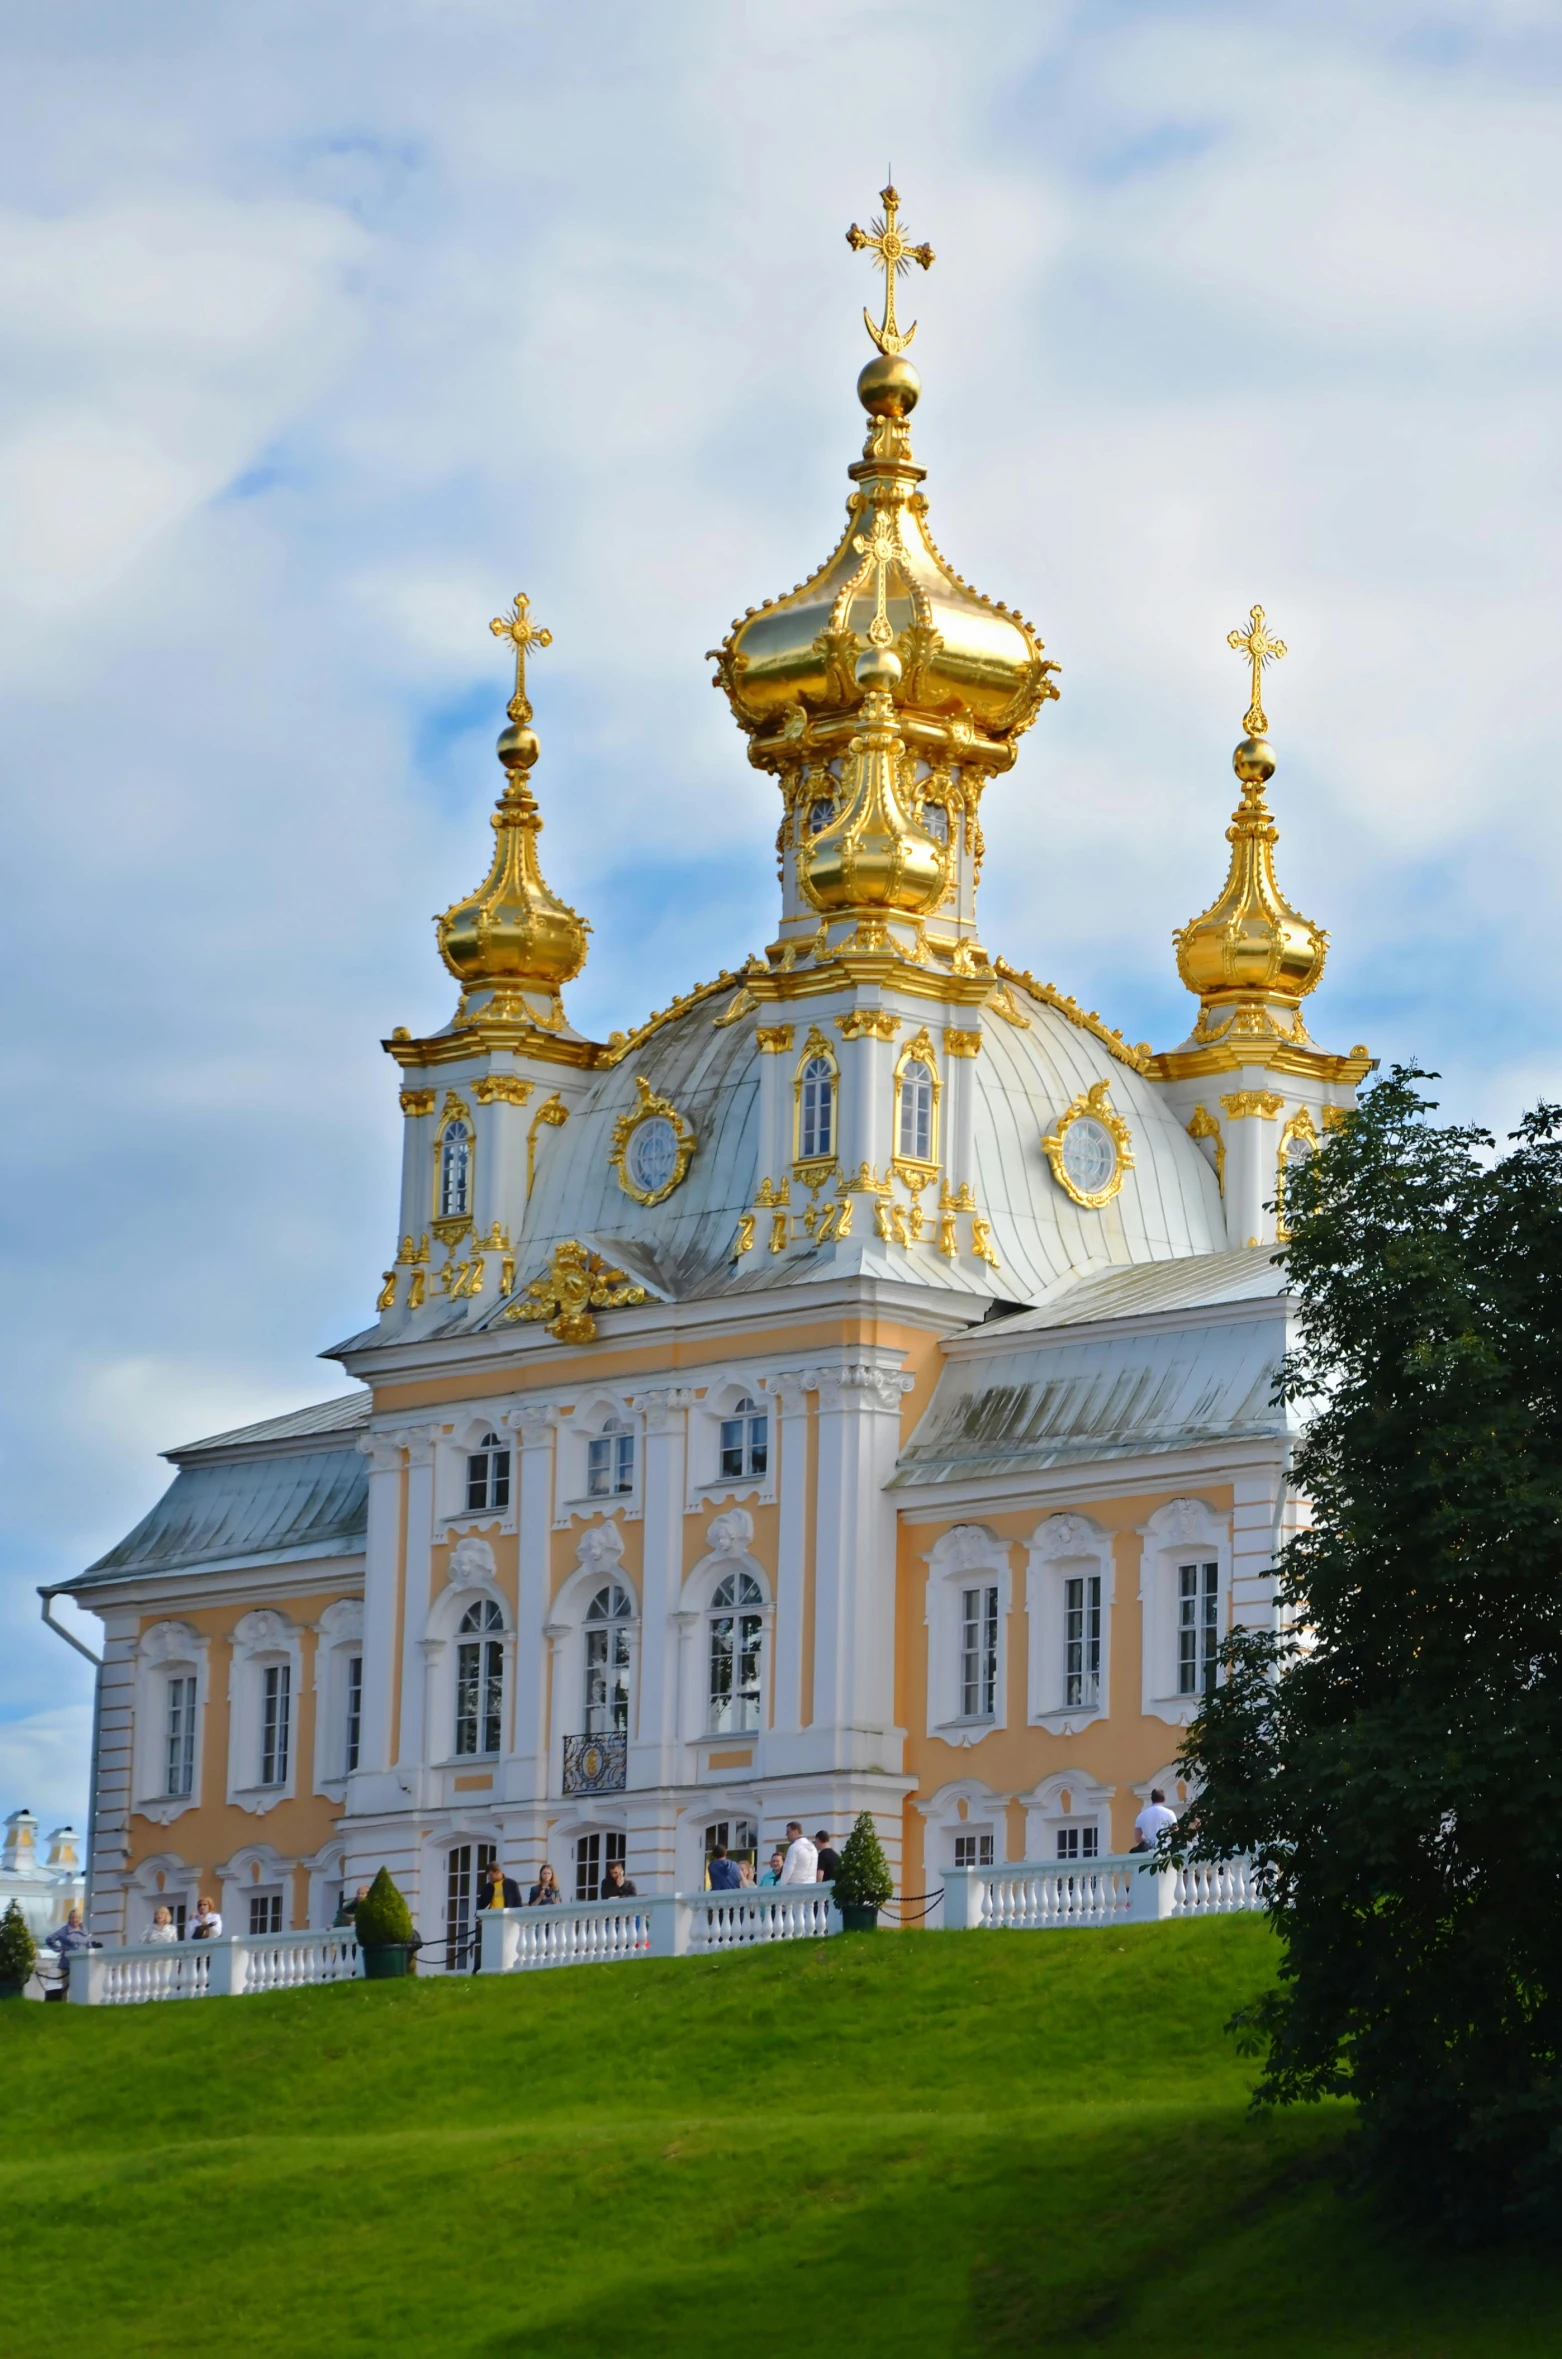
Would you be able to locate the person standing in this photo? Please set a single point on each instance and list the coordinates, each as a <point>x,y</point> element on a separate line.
<point>65,1941</point>
<point>162,1927</point>
<point>347,1910</point>
<point>772,1874</point>
<point>801,1865</point>
<point>829,1859</point>
<point>545,1892</point>
<point>722,1874</point>
<point>615,1884</point>
<point>1152,1821</point>
<point>207,1923</point>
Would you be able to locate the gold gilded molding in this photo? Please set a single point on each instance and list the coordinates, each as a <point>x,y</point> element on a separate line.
<point>418,1101</point>
<point>1135,1054</point>
<point>773,1192</point>
<point>962,1044</point>
<point>577,1283</point>
<point>745,1233</point>
<point>1335,1117</point>
<point>417,1290</point>
<point>780,1231</point>
<point>1093,1105</point>
<point>982,1243</point>
<point>555,1114</point>
<point>385,1300</point>
<point>1244,1105</point>
<point>619,1045</point>
<point>774,1039</point>
<point>867,1023</point>
<point>648,1107</point>
<point>1204,1126</point>
<point>452,1228</point>
<point>743,1004</point>
<point>507,1088</point>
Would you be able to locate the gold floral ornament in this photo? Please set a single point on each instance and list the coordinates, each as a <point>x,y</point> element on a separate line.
<point>652,1146</point>
<point>887,244</point>
<point>578,1282</point>
<point>1089,1151</point>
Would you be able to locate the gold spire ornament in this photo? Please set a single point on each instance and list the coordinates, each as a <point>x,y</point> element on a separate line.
<point>894,257</point>
<point>1260,649</point>
<point>513,930</point>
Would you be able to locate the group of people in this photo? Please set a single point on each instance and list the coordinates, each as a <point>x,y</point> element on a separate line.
<point>802,1862</point>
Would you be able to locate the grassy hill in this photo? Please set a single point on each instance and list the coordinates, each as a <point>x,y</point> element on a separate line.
<point>956,2143</point>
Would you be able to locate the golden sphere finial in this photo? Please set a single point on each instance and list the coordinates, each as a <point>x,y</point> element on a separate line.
<point>888,386</point>
<point>1254,761</point>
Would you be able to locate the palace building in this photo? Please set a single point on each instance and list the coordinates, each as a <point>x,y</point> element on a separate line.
<point>851,1389</point>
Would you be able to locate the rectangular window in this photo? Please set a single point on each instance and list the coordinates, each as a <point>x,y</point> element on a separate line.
<point>594,1855</point>
<point>1079,1843</point>
<point>979,1654</point>
<point>181,1737</point>
<point>479,1696</point>
<point>466,1870</point>
<point>275,1730</point>
<point>354,1713</point>
<point>1198,1628</point>
<point>973,1851</point>
<point>610,1465</point>
<point>745,1441</point>
<point>1082,1641</point>
<point>265,1912</point>
<point>741,1837</point>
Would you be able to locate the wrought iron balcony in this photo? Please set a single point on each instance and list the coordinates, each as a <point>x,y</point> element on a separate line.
<point>596,1764</point>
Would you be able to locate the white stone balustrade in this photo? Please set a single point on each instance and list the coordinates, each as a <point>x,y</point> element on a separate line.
<point>1041,1895</point>
<point>584,1932</point>
<point>237,1965</point>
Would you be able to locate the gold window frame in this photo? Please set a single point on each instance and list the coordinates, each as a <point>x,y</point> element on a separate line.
<point>648,1107</point>
<point>451,1227</point>
<point>1095,1104</point>
<point>910,1168</point>
<point>813,1170</point>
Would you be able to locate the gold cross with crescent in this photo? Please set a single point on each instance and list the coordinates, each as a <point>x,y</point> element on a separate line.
<point>894,257</point>
<point>1260,647</point>
<point>518,627</point>
<point>878,548</point>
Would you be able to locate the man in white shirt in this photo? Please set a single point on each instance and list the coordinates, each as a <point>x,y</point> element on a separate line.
<point>1152,1820</point>
<point>801,1865</point>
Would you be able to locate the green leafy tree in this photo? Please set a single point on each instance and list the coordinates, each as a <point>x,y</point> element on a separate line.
<point>1393,1756</point>
<point>863,1878</point>
<point>18,1951</point>
<point>382,1915</point>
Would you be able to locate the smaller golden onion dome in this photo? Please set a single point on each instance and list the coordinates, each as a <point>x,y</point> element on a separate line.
<point>1250,944</point>
<point>872,856</point>
<point>514,929</point>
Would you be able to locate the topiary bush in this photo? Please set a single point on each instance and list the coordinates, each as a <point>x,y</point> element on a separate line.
<point>863,1879</point>
<point>18,1950</point>
<point>382,1916</point>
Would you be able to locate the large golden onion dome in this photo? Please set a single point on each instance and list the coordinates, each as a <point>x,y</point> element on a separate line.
<point>514,930</point>
<point>973,675</point>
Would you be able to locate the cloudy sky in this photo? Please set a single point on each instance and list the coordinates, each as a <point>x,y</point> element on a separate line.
<point>325,328</point>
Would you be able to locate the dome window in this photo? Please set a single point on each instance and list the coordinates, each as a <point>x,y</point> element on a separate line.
<point>652,1146</point>
<point>1089,1150</point>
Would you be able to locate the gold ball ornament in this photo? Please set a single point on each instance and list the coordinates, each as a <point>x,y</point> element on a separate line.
<point>1254,761</point>
<point>877,667</point>
<point>517,748</point>
<point>889,386</point>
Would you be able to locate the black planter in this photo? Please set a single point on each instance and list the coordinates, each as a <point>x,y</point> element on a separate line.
<point>859,1916</point>
<point>12,1990</point>
<point>385,1961</point>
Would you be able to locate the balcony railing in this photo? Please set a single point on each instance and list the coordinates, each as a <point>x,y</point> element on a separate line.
<point>596,1764</point>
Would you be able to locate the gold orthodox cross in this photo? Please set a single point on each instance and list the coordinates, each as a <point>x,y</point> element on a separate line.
<point>894,257</point>
<point>518,627</point>
<point>879,549</point>
<point>1260,648</point>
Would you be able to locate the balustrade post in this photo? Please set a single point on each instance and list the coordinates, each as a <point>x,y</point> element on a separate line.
<point>88,1978</point>
<point>1151,1897</point>
<point>671,1922</point>
<point>962,1905</point>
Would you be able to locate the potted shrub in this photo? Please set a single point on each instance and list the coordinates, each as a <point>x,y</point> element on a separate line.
<point>863,1882</point>
<point>18,1953</point>
<point>383,1924</point>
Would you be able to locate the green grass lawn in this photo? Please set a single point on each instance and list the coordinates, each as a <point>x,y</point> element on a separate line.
<point>943,2143</point>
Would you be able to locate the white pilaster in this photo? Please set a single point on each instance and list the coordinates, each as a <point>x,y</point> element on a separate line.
<point>791,1393</point>
<point>411,1754</point>
<point>854,1593</point>
<point>373,1785</point>
<point>535,1426</point>
<point>655,1752</point>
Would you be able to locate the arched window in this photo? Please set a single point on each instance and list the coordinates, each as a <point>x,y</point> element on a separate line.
<point>610,1461</point>
<point>607,1661</point>
<point>745,1439</point>
<point>480,1679</point>
<point>916,1111</point>
<point>816,1111</point>
<point>488,1475</point>
<point>179,1736</point>
<point>735,1631</point>
<point>820,813</point>
<point>455,1171</point>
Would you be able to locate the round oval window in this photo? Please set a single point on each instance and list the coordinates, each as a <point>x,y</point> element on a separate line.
<point>653,1154</point>
<point>1089,1155</point>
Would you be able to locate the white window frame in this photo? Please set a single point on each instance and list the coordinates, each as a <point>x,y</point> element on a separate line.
<point>179,1888</point>
<point>986,1812</point>
<point>739,1609</point>
<point>705,1480</point>
<point>731,1536</point>
<point>263,1640</point>
<point>968,1556</point>
<point>1069,1798</point>
<point>596,1417</point>
<point>1184,1531</point>
<point>497,1452</point>
<point>166,1651</point>
<point>338,1643</point>
<point>237,1878</point>
<point>491,1633</point>
<point>1064,1548</point>
<point>459,1443</point>
<point>621,1629</point>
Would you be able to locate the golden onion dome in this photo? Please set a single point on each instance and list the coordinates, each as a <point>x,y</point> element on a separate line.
<point>872,855</point>
<point>973,674</point>
<point>514,929</point>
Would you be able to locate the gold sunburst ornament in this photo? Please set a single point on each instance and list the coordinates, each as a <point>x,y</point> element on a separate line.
<point>888,246</point>
<point>1089,1151</point>
<point>652,1146</point>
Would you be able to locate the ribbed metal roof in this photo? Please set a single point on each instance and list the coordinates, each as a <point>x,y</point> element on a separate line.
<point>1198,1282</point>
<point>346,1414</point>
<point>235,1511</point>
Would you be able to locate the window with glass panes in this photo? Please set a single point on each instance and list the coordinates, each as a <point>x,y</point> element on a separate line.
<point>741,1837</point>
<point>1079,1843</point>
<point>594,1855</point>
<point>607,1660</point>
<point>916,1112</point>
<point>466,1871</point>
<point>1082,1640</point>
<point>736,1631</point>
<point>816,1111</point>
<point>1198,1627</point>
<point>455,1171</point>
<point>179,1759</point>
<point>276,1713</point>
<point>745,1439</point>
<point>973,1851</point>
<point>265,1912</point>
<point>488,1476</point>
<point>979,1653</point>
<point>610,1461</point>
<point>354,1726</point>
<point>479,1679</point>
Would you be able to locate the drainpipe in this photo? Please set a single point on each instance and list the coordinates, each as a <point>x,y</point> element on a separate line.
<point>60,1631</point>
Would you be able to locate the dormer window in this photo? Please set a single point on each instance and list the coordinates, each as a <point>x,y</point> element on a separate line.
<point>816,1112</point>
<point>455,1171</point>
<point>745,1439</point>
<point>916,1112</point>
<point>488,1476</point>
<point>610,1461</point>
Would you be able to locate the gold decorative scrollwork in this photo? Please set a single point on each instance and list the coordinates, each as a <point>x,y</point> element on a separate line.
<point>868,1023</point>
<point>1092,1105</point>
<point>648,1107</point>
<point>962,1044</point>
<point>1204,1126</point>
<point>417,1101</point>
<point>1249,1104</point>
<point>577,1283</point>
<point>507,1088</point>
<point>773,1039</point>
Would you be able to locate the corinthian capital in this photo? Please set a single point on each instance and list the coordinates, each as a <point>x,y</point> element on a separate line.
<point>884,1387</point>
<point>663,1410</point>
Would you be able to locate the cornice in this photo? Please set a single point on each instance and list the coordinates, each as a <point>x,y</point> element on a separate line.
<point>1309,1064</point>
<point>1088,1482</point>
<point>991,1341</point>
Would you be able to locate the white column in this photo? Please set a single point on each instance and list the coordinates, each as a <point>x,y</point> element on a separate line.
<point>854,1594</point>
<point>535,1425</point>
<point>1252,1139</point>
<point>791,1391</point>
<point>654,1754</point>
<point>1258,1501</point>
<point>959,1148</point>
<point>373,1785</point>
<point>417,1596</point>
